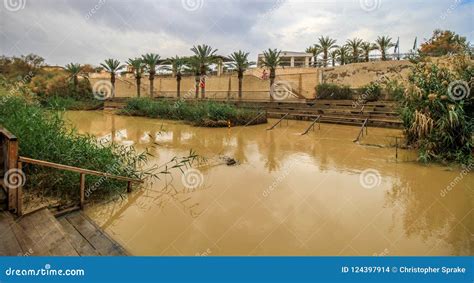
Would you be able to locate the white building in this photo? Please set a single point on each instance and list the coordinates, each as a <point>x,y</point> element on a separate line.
<point>291,59</point>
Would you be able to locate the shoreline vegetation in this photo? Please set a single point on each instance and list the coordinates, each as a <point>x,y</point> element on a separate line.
<point>197,113</point>
<point>44,134</point>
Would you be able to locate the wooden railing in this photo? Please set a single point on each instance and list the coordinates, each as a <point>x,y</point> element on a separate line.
<point>82,172</point>
<point>311,126</point>
<point>278,122</point>
<point>361,132</point>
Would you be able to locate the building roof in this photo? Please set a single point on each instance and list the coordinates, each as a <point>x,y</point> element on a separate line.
<point>292,53</point>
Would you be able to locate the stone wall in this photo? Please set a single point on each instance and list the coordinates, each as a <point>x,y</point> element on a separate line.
<point>253,86</point>
<point>359,74</point>
<point>302,81</point>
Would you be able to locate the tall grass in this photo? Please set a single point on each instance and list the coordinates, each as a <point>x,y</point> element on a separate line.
<point>200,113</point>
<point>44,135</point>
<point>436,123</point>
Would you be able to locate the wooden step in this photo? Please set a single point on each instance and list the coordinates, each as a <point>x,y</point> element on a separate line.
<point>87,238</point>
<point>38,234</point>
<point>41,234</point>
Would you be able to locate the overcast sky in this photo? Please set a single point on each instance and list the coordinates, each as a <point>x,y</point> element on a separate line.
<point>88,31</point>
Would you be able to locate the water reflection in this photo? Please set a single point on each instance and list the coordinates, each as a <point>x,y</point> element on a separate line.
<point>291,194</point>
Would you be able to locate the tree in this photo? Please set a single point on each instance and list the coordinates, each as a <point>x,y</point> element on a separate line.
<point>241,63</point>
<point>137,66</point>
<point>354,45</point>
<point>444,42</point>
<point>383,43</point>
<point>366,47</point>
<point>315,51</point>
<point>325,45</point>
<point>177,67</point>
<point>334,56</point>
<point>195,68</point>
<point>205,55</point>
<point>112,66</point>
<point>343,53</point>
<point>151,60</point>
<point>73,69</point>
<point>271,60</point>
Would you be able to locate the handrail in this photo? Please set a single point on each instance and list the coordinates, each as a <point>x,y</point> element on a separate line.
<point>364,124</point>
<point>76,169</point>
<point>281,119</point>
<point>7,134</point>
<point>312,125</point>
<point>256,117</point>
<point>81,171</point>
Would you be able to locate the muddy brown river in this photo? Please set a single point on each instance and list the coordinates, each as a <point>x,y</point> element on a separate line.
<point>318,194</point>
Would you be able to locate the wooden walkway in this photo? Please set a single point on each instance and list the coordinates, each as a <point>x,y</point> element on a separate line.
<point>41,234</point>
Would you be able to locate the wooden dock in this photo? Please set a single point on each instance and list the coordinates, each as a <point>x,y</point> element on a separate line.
<point>41,234</point>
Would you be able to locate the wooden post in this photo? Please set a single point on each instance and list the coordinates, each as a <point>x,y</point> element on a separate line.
<point>19,195</point>
<point>129,187</point>
<point>83,184</point>
<point>12,163</point>
<point>396,148</point>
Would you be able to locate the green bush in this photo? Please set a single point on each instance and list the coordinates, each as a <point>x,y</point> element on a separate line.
<point>436,123</point>
<point>371,92</point>
<point>333,91</point>
<point>44,135</point>
<point>69,103</point>
<point>199,113</point>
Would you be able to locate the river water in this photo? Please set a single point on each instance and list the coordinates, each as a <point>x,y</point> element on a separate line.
<point>317,194</point>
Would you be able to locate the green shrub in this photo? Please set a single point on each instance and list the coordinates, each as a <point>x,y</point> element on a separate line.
<point>69,103</point>
<point>371,92</point>
<point>199,113</point>
<point>44,135</point>
<point>333,91</point>
<point>437,124</point>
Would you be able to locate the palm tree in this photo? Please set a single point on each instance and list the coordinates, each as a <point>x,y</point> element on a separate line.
<point>241,63</point>
<point>112,66</point>
<point>384,43</point>
<point>334,54</point>
<point>73,69</point>
<point>151,60</point>
<point>343,53</point>
<point>366,47</point>
<point>137,67</point>
<point>315,51</point>
<point>195,69</point>
<point>177,67</point>
<point>355,48</point>
<point>271,60</point>
<point>205,55</point>
<point>325,45</point>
